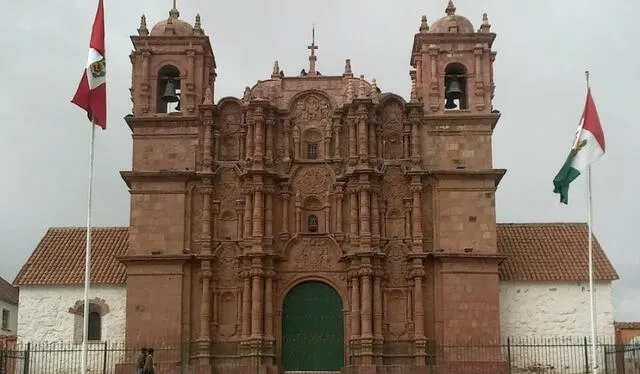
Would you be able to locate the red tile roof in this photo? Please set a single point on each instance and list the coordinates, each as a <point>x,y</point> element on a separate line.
<point>534,251</point>
<point>550,252</point>
<point>60,255</point>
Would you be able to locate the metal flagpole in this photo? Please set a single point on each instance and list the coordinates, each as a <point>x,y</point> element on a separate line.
<point>594,358</point>
<point>87,258</point>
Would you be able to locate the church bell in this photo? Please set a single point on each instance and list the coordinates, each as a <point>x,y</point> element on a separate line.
<point>170,95</point>
<point>454,91</point>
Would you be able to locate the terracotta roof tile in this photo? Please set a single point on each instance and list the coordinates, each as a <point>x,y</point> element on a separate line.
<point>550,252</point>
<point>535,252</point>
<point>8,293</point>
<point>59,257</point>
<point>627,325</point>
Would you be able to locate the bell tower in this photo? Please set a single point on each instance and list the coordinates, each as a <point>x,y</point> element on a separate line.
<point>453,80</point>
<point>173,74</point>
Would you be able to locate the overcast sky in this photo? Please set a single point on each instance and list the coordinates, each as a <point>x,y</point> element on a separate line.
<point>544,47</point>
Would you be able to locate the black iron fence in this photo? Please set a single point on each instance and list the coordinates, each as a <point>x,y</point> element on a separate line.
<point>514,355</point>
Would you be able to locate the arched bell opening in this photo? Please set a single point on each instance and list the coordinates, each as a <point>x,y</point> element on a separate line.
<point>455,91</point>
<point>168,90</point>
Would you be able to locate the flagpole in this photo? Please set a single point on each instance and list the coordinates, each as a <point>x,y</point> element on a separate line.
<point>87,259</point>
<point>594,358</point>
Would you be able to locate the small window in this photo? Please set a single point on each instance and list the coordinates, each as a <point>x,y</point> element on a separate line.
<point>5,319</point>
<point>312,151</point>
<point>95,326</point>
<point>312,223</point>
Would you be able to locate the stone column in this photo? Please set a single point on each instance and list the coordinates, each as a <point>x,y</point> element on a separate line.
<point>418,274</point>
<point>256,303</point>
<point>377,305</point>
<point>363,141</point>
<point>383,216</point>
<point>296,143</point>
<point>353,217</point>
<point>415,141</point>
<point>406,142</point>
<point>258,212</point>
<point>366,315</point>
<point>339,203</point>
<point>298,213</point>
<point>353,143</point>
<point>416,216</point>
<point>258,151</point>
<point>246,304</point>
<point>407,216</point>
<point>355,305</point>
<point>268,207</point>
<point>268,304</point>
<point>215,212</point>
<point>240,215</point>
<point>365,215</point>
<point>327,214</point>
<point>372,141</point>
<point>286,124</point>
<point>269,142</point>
<point>250,143</point>
<point>216,145</point>
<point>375,215</point>
<point>205,304</point>
<point>286,196</point>
<point>206,144</point>
<point>205,231</point>
<point>248,211</point>
<point>242,152</point>
<point>336,137</point>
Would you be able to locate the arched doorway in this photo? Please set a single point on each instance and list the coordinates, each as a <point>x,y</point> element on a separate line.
<point>312,328</point>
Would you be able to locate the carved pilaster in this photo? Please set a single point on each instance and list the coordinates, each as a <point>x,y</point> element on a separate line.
<point>363,141</point>
<point>248,211</point>
<point>240,215</point>
<point>375,215</point>
<point>298,212</point>
<point>215,212</point>
<point>256,301</point>
<point>205,303</point>
<point>336,137</point>
<point>339,205</point>
<point>268,304</point>
<point>355,304</point>
<point>416,216</point>
<point>352,123</point>
<point>353,216</point>
<point>286,198</point>
<point>268,210</point>
<point>270,123</point>
<point>250,135</point>
<point>258,211</point>
<point>286,124</point>
<point>206,190</point>
<point>406,204</point>
<point>207,152</point>
<point>377,304</point>
<point>417,272</point>
<point>365,215</point>
<point>246,304</point>
<point>258,119</point>
<point>366,300</point>
<point>383,215</point>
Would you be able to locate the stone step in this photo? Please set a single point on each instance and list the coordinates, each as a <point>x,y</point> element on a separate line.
<point>312,372</point>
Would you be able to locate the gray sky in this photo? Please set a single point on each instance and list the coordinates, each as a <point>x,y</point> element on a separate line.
<point>544,47</point>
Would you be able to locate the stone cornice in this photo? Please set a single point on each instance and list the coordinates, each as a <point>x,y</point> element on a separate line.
<point>166,120</point>
<point>466,257</point>
<point>460,121</point>
<point>160,175</point>
<point>447,38</point>
<point>144,258</point>
<point>495,174</point>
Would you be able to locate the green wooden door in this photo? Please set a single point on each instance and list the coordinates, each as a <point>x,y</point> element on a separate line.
<point>312,328</point>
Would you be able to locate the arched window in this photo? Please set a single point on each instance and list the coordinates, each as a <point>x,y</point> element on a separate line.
<point>95,326</point>
<point>455,86</point>
<point>312,151</point>
<point>312,223</point>
<point>168,94</point>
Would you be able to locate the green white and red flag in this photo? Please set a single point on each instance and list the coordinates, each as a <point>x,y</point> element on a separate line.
<point>92,91</point>
<point>587,148</point>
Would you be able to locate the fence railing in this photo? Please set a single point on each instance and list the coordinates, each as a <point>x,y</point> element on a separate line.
<point>513,355</point>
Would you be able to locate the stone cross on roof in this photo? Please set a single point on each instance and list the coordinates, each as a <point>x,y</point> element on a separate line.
<point>312,47</point>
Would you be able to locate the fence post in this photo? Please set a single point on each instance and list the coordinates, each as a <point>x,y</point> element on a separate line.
<point>104,360</point>
<point>27,356</point>
<point>509,354</point>
<point>586,355</point>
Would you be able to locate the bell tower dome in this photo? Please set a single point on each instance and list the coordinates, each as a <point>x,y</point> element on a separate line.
<point>454,64</point>
<point>173,65</point>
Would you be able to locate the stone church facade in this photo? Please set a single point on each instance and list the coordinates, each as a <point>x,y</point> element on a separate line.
<point>316,223</point>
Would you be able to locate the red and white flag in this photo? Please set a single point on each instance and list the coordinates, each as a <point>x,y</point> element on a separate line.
<point>92,91</point>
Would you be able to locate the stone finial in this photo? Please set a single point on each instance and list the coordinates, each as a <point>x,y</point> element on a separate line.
<point>276,70</point>
<point>143,31</point>
<point>424,26</point>
<point>246,96</point>
<point>361,88</point>
<point>486,26</point>
<point>451,9</point>
<point>197,27</point>
<point>208,97</point>
<point>173,13</point>
<point>347,67</point>
<point>375,91</point>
